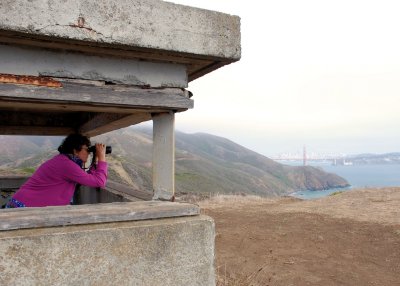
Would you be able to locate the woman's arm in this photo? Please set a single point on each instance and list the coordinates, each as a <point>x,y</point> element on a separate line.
<point>97,177</point>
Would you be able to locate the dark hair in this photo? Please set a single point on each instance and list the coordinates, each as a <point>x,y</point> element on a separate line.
<point>73,141</point>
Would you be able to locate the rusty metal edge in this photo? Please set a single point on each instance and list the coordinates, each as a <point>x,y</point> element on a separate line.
<point>30,80</point>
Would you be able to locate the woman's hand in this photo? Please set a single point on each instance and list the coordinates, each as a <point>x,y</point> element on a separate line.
<point>101,152</point>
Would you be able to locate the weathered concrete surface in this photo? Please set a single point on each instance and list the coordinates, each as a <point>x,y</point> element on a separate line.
<point>143,24</point>
<point>40,62</point>
<point>164,156</point>
<point>178,251</point>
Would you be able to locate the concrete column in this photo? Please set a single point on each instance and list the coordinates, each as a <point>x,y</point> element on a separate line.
<point>163,156</point>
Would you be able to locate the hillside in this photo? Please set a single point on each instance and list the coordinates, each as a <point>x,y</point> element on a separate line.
<point>204,163</point>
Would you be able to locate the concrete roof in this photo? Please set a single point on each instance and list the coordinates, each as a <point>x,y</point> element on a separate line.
<point>149,30</point>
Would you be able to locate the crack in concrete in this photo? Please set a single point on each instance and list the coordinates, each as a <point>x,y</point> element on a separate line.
<point>74,26</point>
<point>87,28</point>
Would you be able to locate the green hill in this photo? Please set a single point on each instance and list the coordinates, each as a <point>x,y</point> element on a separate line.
<point>204,164</point>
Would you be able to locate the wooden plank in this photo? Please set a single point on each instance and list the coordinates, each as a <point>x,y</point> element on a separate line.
<point>114,96</point>
<point>29,105</point>
<point>97,125</point>
<point>129,198</point>
<point>141,194</point>
<point>105,122</point>
<point>53,112</point>
<point>12,181</point>
<point>88,214</point>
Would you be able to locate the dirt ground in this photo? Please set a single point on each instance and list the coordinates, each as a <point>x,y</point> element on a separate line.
<point>352,238</point>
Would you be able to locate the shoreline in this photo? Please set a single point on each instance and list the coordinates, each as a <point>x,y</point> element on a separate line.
<point>315,194</point>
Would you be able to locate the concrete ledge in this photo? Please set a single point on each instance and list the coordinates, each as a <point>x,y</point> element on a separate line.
<point>175,251</point>
<point>87,214</point>
<point>138,23</point>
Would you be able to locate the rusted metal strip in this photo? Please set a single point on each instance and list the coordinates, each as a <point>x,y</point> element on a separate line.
<point>29,80</point>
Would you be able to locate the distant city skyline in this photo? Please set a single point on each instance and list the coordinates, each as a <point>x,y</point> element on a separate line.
<point>320,73</point>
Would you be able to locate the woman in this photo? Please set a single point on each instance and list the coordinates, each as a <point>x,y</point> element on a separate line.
<point>53,183</point>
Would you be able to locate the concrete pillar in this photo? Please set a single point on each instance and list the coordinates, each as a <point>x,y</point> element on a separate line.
<point>163,156</point>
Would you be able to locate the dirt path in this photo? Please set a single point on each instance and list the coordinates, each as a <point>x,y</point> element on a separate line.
<point>349,239</point>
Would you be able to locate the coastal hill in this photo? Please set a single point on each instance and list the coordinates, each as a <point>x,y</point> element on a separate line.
<point>204,163</point>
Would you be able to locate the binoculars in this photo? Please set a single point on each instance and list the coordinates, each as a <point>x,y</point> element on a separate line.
<point>92,149</point>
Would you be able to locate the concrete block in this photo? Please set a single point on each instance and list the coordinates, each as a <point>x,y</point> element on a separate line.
<point>148,24</point>
<point>172,251</point>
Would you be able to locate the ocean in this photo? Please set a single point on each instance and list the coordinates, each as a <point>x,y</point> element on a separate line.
<point>358,176</point>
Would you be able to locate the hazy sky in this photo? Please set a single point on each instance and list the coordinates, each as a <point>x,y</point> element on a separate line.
<point>325,74</point>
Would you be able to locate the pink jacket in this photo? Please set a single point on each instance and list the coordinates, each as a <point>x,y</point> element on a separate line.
<point>53,183</point>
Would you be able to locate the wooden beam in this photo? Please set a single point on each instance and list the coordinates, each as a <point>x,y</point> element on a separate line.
<point>103,97</point>
<point>88,214</point>
<point>35,123</point>
<point>105,122</point>
<point>28,105</point>
<point>140,194</point>
<point>164,156</point>
<point>12,181</point>
<point>36,130</point>
<point>43,118</point>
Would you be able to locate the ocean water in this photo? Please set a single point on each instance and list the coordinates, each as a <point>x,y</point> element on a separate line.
<point>358,176</point>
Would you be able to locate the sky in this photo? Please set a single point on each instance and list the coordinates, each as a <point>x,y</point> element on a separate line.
<point>320,74</point>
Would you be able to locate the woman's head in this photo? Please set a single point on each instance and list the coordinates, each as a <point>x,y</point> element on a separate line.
<point>75,144</point>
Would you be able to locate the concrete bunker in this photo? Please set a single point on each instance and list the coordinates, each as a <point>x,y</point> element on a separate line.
<point>77,67</point>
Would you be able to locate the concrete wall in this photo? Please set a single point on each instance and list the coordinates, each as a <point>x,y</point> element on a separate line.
<point>171,251</point>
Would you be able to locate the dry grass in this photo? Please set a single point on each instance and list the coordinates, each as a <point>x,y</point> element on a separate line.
<point>219,199</point>
<point>214,199</point>
<point>351,238</point>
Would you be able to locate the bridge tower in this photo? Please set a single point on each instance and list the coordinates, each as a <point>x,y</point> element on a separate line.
<point>304,156</point>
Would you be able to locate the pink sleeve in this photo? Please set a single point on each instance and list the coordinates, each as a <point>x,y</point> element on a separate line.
<point>96,178</point>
